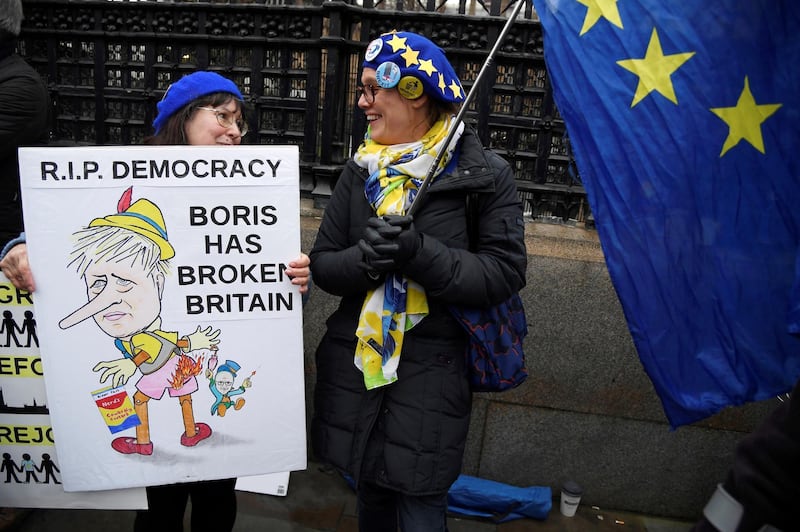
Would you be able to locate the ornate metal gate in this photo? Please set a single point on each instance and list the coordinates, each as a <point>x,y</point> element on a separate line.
<point>108,63</point>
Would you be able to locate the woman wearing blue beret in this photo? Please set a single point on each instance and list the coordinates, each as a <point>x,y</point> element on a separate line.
<point>392,400</point>
<point>201,109</point>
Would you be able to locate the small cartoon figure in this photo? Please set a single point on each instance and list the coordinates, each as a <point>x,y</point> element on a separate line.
<point>29,468</point>
<point>48,467</point>
<point>10,468</point>
<point>221,385</point>
<point>29,326</point>
<point>123,259</point>
<point>9,326</point>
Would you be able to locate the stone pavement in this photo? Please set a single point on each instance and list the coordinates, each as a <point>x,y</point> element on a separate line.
<point>319,500</point>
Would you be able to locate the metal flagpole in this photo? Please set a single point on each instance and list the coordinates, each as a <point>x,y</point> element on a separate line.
<point>459,117</point>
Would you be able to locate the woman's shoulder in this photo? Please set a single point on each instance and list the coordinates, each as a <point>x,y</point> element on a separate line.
<point>474,155</point>
<point>352,170</point>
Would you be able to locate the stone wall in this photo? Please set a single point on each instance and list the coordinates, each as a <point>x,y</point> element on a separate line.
<point>588,411</point>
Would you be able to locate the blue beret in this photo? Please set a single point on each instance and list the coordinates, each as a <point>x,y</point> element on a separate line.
<point>189,88</point>
<point>414,65</point>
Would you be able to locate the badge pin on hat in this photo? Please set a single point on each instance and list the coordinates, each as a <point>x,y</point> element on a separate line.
<point>388,74</point>
<point>410,87</point>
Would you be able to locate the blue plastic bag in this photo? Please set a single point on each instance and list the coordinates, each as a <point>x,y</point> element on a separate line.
<point>497,501</point>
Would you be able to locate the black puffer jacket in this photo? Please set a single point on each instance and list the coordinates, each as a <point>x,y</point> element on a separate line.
<point>410,435</point>
<point>24,107</point>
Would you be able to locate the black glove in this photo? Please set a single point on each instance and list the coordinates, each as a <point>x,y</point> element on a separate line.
<point>408,241</point>
<point>380,234</point>
<point>374,261</point>
<point>389,242</point>
<point>378,245</point>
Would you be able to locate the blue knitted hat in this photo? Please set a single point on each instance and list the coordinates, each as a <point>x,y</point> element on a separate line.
<point>189,88</point>
<point>414,65</point>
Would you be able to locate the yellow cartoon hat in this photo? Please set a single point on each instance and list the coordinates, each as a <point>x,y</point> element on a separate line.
<point>142,217</point>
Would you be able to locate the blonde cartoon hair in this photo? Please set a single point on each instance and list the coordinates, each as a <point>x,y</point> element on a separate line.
<point>102,244</point>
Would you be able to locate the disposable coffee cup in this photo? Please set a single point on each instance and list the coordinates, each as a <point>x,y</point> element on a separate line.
<point>570,498</point>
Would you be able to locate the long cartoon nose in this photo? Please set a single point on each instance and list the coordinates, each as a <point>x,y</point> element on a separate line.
<point>103,300</point>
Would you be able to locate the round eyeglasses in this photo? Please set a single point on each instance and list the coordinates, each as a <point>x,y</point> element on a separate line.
<point>369,95</point>
<point>227,119</point>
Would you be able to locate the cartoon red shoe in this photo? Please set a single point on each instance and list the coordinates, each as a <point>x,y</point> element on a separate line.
<point>127,445</point>
<point>203,431</point>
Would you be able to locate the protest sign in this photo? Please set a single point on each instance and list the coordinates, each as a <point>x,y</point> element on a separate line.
<point>171,336</point>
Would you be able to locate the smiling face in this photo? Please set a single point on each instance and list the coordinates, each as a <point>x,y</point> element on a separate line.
<point>126,300</point>
<point>393,119</point>
<point>204,129</point>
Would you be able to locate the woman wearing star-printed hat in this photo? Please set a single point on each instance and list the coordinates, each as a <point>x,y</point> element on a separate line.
<point>392,400</point>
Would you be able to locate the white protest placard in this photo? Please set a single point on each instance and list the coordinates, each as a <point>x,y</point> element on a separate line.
<point>30,471</point>
<point>200,352</point>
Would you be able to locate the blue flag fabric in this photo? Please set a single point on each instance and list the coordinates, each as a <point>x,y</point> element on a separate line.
<point>684,120</point>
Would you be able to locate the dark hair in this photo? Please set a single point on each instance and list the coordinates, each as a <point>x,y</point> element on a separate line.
<point>439,108</point>
<point>174,131</point>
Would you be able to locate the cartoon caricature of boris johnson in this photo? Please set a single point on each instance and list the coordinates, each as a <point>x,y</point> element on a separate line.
<point>123,259</point>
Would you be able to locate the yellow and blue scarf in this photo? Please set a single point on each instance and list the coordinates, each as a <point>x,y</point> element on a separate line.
<point>395,175</point>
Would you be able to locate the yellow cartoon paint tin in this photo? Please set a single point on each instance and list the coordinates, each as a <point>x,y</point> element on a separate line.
<point>116,408</point>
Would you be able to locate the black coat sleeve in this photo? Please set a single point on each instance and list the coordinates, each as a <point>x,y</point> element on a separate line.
<point>496,270</point>
<point>765,475</point>
<point>335,256</point>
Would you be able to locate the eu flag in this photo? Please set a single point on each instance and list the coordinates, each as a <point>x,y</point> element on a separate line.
<point>685,124</point>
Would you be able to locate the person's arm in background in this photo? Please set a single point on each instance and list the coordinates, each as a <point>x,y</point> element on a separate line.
<point>24,108</point>
<point>763,484</point>
<point>24,104</point>
<point>14,264</point>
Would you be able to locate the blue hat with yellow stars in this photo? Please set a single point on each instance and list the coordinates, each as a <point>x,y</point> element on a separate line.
<point>414,65</point>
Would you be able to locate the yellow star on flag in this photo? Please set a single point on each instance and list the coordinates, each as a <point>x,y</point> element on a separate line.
<point>600,8</point>
<point>410,56</point>
<point>426,65</point>
<point>655,70</point>
<point>745,119</point>
<point>397,43</point>
<point>456,88</point>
